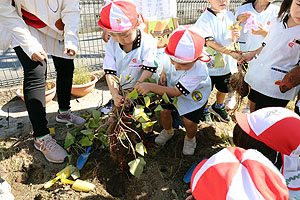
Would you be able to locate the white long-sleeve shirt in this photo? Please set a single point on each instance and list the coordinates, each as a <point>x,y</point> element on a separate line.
<point>13,27</point>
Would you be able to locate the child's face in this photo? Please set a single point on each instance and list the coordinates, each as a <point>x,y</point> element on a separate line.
<point>125,38</point>
<point>182,66</point>
<point>218,5</point>
<point>295,12</point>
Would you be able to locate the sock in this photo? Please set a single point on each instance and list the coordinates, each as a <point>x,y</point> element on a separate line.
<point>205,110</point>
<point>41,137</point>
<point>170,131</point>
<point>187,138</point>
<point>63,110</point>
<point>219,105</point>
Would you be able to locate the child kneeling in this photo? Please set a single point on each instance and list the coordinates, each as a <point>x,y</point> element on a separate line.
<point>187,78</point>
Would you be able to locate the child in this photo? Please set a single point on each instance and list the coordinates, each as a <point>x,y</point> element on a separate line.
<point>130,52</point>
<point>273,131</point>
<point>55,26</point>
<point>279,54</point>
<point>235,173</point>
<point>255,16</point>
<point>186,79</point>
<point>214,24</point>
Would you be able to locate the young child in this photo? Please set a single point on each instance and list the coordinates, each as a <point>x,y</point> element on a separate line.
<point>235,173</point>
<point>187,78</point>
<point>130,52</point>
<point>274,131</point>
<point>215,24</point>
<point>255,16</point>
<point>279,54</point>
<point>55,26</point>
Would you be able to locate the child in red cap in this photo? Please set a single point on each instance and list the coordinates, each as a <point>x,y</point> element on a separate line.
<point>131,53</point>
<point>273,131</point>
<point>187,79</point>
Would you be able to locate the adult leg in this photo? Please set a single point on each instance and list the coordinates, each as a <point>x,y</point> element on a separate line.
<point>34,92</point>
<point>64,68</point>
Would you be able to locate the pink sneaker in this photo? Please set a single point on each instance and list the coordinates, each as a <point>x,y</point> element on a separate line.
<point>52,151</point>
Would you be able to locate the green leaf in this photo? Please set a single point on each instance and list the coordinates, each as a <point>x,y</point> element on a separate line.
<point>138,126</point>
<point>69,140</point>
<point>175,102</point>
<point>85,141</point>
<point>75,172</point>
<point>133,94</point>
<point>147,124</point>
<point>158,108</point>
<point>87,132</point>
<point>137,167</point>
<point>95,123</point>
<point>103,139</point>
<point>150,94</point>
<point>147,101</point>
<point>122,136</point>
<point>150,80</point>
<point>166,98</point>
<point>139,147</point>
<point>91,137</point>
<point>96,114</point>
<point>144,115</point>
<point>128,77</point>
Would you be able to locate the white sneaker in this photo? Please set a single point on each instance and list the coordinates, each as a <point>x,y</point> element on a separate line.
<point>5,190</point>
<point>163,137</point>
<point>230,101</point>
<point>246,110</point>
<point>189,147</point>
<point>69,118</point>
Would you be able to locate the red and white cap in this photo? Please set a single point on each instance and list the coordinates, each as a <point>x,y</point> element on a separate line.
<point>118,15</point>
<point>235,173</point>
<point>278,128</point>
<point>186,45</point>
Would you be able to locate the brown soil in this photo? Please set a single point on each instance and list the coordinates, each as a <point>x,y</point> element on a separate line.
<point>27,170</point>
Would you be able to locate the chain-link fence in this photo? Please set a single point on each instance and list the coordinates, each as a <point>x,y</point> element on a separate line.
<point>92,48</point>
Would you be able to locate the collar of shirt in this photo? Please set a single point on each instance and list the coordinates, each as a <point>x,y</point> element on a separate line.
<point>284,21</point>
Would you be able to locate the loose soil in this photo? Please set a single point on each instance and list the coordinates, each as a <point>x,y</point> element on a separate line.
<point>27,170</point>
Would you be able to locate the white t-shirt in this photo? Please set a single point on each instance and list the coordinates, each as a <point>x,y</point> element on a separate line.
<point>194,84</point>
<point>131,64</point>
<point>280,54</point>
<point>249,41</point>
<point>215,28</point>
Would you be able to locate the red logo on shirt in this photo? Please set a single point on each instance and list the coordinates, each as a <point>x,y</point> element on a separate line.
<point>295,41</point>
<point>268,23</point>
<point>134,60</point>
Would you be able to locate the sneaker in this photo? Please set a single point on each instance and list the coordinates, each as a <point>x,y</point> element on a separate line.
<point>206,117</point>
<point>189,147</point>
<point>52,151</point>
<point>230,101</point>
<point>5,190</point>
<point>177,123</point>
<point>107,107</point>
<point>163,137</point>
<point>69,118</point>
<point>221,113</point>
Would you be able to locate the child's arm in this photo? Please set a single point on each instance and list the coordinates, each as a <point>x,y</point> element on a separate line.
<point>290,80</point>
<point>218,47</point>
<point>146,74</point>
<point>246,57</point>
<point>118,99</point>
<point>144,88</point>
<point>70,15</point>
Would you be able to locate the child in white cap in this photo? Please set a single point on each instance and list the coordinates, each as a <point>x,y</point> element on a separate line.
<point>130,52</point>
<point>274,131</point>
<point>237,174</point>
<point>187,78</point>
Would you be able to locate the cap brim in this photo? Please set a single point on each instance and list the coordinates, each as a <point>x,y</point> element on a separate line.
<point>241,119</point>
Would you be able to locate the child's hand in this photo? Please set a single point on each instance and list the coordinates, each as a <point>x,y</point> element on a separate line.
<point>243,17</point>
<point>162,79</point>
<point>261,30</point>
<point>236,55</point>
<point>118,100</point>
<point>189,191</point>
<point>143,88</point>
<point>235,34</point>
<point>69,52</point>
<point>105,36</point>
<point>248,56</point>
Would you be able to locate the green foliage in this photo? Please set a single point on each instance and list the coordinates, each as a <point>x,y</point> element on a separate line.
<point>81,74</point>
<point>166,98</point>
<point>137,167</point>
<point>69,140</point>
<point>133,94</point>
